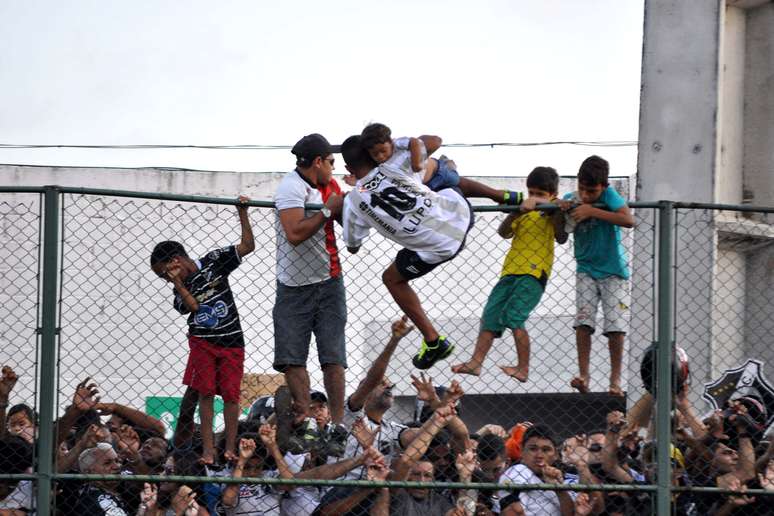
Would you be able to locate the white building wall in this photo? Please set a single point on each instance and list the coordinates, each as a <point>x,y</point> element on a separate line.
<point>119,327</point>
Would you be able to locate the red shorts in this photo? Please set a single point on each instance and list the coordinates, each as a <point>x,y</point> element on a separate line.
<point>213,369</point>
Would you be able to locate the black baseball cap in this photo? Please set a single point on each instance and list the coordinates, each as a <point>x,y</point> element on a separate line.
<point>312,146</point>
<point>319,397</point>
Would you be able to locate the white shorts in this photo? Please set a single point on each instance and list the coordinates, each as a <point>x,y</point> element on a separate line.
<point>613,291</point>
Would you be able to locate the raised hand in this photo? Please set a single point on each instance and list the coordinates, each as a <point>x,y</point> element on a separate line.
<point>444,413</point>
<point>149,496</point>
<point>362,434</point>
<point>184,502</point>
<point>90,437</point>
<point>424,387</point>
<point>246,449</point>
<point>242,199</point>
<point>376,469</point>
<point>86,395</point>
<point>453,393</point>
<point>401,328</point>
<point>615,421</point>
<point>268,435</point>
<point>552,475</point>
<point>7,382</point>
<point>127,440</point>
<point>582,504</point>
<point>465,464</point>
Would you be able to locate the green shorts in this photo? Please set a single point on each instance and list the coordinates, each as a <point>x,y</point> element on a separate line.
<point>510,303</point>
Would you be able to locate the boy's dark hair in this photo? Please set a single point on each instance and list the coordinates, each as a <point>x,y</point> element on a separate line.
<point>374,134</point>
<point>24,409</point>
<point>165,251</point>
<point>15,455</point>
<point>594,171</point>
<point>544,178</point>
<point>539,431</point>
<point>490,446</point>
<point>355,156</point>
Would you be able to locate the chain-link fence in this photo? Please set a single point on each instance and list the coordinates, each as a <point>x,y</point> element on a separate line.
<point>91,333</point>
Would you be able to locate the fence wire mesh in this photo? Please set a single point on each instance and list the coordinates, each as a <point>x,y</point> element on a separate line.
<point>122,351</point>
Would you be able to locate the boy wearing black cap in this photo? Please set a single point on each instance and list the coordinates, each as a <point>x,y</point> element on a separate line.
<point>310,289</point>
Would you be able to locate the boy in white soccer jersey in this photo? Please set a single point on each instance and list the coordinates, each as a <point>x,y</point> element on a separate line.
<point>410,155</point>
<point>431,226</point>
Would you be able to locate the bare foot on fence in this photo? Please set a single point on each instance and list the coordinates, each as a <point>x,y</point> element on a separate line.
<point>520,373</point>
<point>208,457</point>
<point>580,384</point>
<point>615,390</point>
<point>470,367</point>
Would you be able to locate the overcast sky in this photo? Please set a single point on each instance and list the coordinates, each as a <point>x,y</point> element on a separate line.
<point>260,72</point>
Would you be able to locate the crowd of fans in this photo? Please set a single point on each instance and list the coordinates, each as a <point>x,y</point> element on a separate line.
<point>95,437</point>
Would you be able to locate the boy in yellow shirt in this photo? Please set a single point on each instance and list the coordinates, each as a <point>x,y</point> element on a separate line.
<point>524,276</point>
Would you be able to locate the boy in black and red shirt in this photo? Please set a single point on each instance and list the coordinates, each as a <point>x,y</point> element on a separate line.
<point>216,359</point>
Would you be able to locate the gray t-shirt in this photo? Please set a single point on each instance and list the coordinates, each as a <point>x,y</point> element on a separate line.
<point>434,504</point>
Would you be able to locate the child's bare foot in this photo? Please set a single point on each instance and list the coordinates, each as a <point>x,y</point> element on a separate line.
<point>470,367</point>
<point>581,384</point>
<point>520,373</point>
<point>615,390</point>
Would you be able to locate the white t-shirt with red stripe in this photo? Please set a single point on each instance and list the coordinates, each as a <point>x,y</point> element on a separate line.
<point>317,258</point>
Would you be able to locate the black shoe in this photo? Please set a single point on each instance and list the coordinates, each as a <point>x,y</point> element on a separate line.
<point>432,352</point>
<point>336,441</point>
<point>304,437</point>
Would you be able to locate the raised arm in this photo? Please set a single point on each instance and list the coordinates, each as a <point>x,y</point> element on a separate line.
<point>557,219</point>
<point>230,495</point>
<point>86,397</point>
<point>135,417</point>
<point>268,434</point>
<point>415,151</point>
<point>432,142</point>
<point>340,468</point>
<point>615,422</point>
<point>7,383</point>
<point>299,228</point>
<point>400,329</point>
<point>190,304</point>
<point>247,242</point>
<point>419,444</point>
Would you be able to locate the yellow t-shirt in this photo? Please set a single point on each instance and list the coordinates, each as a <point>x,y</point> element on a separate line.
<point>532,246</point>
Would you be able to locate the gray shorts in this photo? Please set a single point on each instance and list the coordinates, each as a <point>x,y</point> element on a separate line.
<point>320,308</point>
<point>613,292</point>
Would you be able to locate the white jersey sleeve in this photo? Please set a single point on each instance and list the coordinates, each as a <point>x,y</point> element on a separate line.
<point>355,229</point>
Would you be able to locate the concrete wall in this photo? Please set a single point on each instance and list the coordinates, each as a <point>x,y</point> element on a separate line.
<point>677,155</point>
<point>759,105</point>
<point>706,135</point>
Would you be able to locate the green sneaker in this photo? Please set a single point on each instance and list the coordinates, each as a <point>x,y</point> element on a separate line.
<point>431,353</point>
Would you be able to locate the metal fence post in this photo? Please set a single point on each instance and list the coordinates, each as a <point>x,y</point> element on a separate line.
<point>664,356</point>
<point>48,339</point>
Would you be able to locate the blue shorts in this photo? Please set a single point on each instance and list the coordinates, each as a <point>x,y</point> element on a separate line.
<point>444,176</point>
<point>320,308</point>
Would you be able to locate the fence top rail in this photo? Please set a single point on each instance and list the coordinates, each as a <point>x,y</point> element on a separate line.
<point>355,483</point>
<point>270,204</point>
